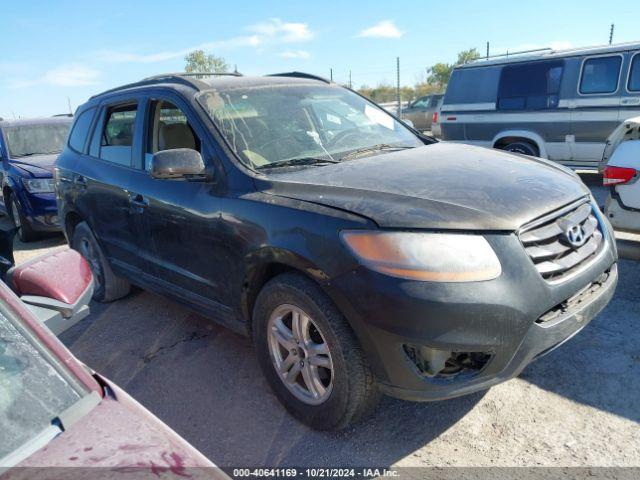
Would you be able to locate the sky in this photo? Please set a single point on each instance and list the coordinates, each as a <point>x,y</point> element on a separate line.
<point>56,53</point>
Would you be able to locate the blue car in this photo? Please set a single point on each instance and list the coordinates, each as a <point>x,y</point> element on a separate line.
<point>28,149</point>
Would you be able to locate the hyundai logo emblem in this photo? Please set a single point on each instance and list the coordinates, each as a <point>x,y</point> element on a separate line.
<point>575,235</point>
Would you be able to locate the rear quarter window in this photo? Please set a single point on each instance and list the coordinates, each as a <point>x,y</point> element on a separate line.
<point>634,74</point>
<point>600,75</point>
<point>80,130</point>
<point>473,85</point>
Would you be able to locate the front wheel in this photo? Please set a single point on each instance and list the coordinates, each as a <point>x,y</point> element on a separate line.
<point>26,233</point>
<point>310,356</point>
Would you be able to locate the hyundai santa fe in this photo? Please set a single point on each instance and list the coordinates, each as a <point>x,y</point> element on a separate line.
<point>360,256</point>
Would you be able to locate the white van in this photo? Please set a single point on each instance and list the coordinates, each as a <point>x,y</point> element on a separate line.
<point>560,105</point>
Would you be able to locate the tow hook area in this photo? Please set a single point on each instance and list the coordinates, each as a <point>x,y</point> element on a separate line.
<point>434,363</point>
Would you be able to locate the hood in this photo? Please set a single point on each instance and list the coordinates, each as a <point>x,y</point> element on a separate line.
<point>39,166</point>
<point>438,186</point>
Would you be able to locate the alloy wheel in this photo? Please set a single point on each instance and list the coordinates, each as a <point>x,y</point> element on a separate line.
<point>300,354</point>
<point>88,251</point>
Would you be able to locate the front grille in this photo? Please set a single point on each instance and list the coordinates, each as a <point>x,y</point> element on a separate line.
<point>548,244</point>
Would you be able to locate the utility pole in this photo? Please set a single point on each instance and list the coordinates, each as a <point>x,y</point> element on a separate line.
<point>398,86</point>
<point>331,74</point>
<point>613,26</point>
<point>69,104</point>
<point>487,50</point>
<point>350,84</point>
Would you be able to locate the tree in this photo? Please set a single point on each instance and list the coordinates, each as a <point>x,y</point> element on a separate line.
<point>440,73</point>
<point>199,62</point>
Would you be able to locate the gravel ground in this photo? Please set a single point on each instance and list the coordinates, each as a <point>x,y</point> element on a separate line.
<point>578,406</point>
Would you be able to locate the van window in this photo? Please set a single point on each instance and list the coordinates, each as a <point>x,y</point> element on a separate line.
<point>634,75</point>
<point>530,86</point>
<point>117,137</point>
<point>600,75</point>
<point>473,85</point>
<point>78,137</point>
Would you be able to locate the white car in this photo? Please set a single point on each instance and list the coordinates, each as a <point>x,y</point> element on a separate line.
<point>621,172</point>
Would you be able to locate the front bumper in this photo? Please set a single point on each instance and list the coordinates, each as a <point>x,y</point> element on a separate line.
<point>496,317</point>
<point>41,211</point>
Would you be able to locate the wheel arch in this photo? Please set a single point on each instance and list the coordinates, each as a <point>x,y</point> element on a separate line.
<point>514,135</point>
<point>266,264</point>
<point>71,220</point>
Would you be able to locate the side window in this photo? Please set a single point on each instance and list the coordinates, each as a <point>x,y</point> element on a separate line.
<point>634,75</point>
<point>421,103</point>
<point>168,129</point>
<point>530,86</point>
<point>80,130</point>
<point>600,75</point>
<point>117,136</point>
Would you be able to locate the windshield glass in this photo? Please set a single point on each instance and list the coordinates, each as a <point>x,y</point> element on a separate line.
<point>36,139</point>
<point>32,392</point>
<point>271,124</point>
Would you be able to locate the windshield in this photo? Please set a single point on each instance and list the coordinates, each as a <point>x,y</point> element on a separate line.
<point>41,139</point>
<point>268,125</point>
<point>32,392</point>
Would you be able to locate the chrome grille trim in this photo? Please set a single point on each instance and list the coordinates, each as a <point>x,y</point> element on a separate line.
<point>545,242</point>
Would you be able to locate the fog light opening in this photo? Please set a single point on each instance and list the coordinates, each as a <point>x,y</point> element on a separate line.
<point>434,363</point>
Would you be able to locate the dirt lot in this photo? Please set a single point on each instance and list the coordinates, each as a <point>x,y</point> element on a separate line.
<point>578,406</point>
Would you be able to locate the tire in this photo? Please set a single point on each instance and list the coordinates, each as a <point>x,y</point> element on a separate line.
<point>350,391</point>
<point>26,233</point>
<point>523,147</point>
<point>107,285</point>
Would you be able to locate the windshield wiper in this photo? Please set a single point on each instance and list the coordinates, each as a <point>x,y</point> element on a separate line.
<point>29,154</point>
<point>297,161</point>
<point>374,148</point>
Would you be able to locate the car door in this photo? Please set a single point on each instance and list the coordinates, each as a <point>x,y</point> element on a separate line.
<point>182,218</point>
<point>595,111</point>
<point>102,181</point>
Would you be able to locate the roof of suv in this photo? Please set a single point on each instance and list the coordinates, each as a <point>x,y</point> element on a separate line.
<point>207,81</point>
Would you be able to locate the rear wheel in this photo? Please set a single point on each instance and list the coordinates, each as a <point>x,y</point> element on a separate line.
<point>107,285</point>
<point>25,232</point>
<point>310,356</point>
<point>523,147</point>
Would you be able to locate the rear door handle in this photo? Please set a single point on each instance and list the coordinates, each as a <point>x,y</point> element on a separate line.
<point>80,181</point>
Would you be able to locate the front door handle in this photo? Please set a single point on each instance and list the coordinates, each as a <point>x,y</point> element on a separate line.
<point>138,200</point>
<point>137,203</point>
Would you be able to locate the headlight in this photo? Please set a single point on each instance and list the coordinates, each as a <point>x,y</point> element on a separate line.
<point>432,257</point>
<point>39,185</point>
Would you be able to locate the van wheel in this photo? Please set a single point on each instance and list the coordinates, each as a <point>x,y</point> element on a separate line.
<point>107,285</point>
<point>310,356</point>
<point>25,232</point>
<point>525,148</point>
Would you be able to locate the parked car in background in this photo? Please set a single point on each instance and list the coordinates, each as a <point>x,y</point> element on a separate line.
<point>360,256</point>
<point>561,105</point>
<point>621,172</point>
<point>420,112</point>
<point>55,412</point>
<point>436,131</point>
<point>28,149</point>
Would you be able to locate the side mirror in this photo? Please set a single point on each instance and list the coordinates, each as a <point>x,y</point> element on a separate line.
<point>179,163</point>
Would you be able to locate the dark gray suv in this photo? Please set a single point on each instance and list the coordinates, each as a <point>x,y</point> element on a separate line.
<point>360,256</point>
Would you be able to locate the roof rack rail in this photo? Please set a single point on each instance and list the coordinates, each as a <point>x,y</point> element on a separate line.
<point>507,54</point>
<point>300,75</point>
<point>185,78</point>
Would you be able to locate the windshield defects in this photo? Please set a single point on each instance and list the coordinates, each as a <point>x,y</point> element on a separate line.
<point>289,126</point>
